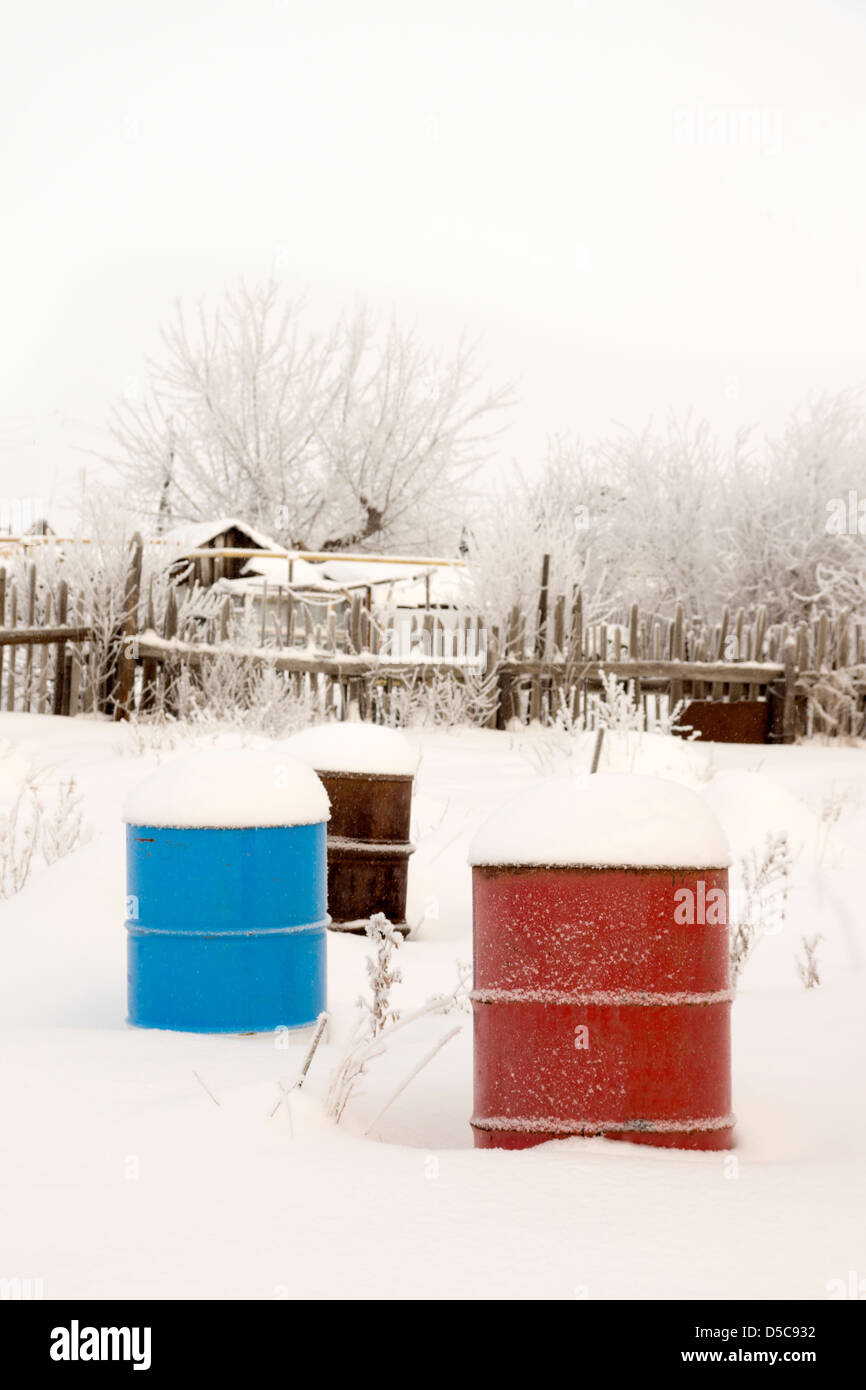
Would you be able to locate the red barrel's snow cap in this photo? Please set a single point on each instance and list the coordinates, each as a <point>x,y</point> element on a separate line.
<point>602,821</point>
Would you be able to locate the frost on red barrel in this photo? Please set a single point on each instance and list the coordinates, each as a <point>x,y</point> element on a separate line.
<point>601,989</point>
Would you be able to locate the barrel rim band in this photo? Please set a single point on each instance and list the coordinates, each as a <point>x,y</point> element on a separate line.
<point>366,776</point>
<point>136,929</point>
<point>689,870</point>
<point>358,925</point>
<point>610,998</point>
<point>371,849</point>
<point>549,1125</point>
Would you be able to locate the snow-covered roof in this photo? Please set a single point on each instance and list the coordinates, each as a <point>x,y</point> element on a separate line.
<point>305,575</point>
<point>359,572</point>
<point>601,821</point>
<point>449,588</point>
<point>195,535</point>
<point>227,788</point>
<point>355,747</point>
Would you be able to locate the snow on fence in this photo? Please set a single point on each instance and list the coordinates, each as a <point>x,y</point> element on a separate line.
<point>546,666</point>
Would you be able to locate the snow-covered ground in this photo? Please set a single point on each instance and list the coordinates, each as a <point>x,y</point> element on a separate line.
<point>147,1164</point>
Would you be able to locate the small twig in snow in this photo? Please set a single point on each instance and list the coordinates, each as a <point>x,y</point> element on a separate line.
<point>206,1088</point>
<point>302,1074</point>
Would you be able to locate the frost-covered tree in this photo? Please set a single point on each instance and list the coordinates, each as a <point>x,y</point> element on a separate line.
<point>667,516</point>
<point>357,438</point>
<point>522,520</point>
<point>652,513</point>
<point>791,534</point>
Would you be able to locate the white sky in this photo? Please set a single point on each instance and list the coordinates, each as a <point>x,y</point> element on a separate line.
<point>637,205</point>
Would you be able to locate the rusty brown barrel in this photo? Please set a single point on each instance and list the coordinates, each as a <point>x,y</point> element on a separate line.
<point>368,773</point>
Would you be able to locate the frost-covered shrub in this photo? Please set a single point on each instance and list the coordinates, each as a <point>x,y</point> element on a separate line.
<point>19,839</point>
<point>440,700</point>
<point>152,734</point>
<point>229,689</point>
<point>62,828</point>
<point>807,964</point>
<point>378,1020</point>
<point>762,901</point>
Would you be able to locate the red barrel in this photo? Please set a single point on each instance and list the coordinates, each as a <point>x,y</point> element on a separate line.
<point>601,988</point>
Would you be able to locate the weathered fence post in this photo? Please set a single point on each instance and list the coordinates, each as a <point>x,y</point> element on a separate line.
<point>675,694</point>
<point>789,708</point>
<point>30,620</point>
<point>60,649</point>
<point>126,654</point>
<point>149,670</point>
<point>2,621</point>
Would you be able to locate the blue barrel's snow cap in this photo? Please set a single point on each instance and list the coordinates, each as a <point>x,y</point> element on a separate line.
<point>229,788</point>
<point>603,821</point>
<point>355,747</point>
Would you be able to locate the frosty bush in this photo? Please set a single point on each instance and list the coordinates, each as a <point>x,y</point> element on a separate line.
<point>442,700</point>
<point>807,963</point>
<point>27,829</point>
<point>833,698</point>
<point>62,828</point>
<point>19,838</point>
<point>761,911</point>
<point>379,1020</point>
<point>152,734</point>
<point>617,710</point>
<point>228,689</point>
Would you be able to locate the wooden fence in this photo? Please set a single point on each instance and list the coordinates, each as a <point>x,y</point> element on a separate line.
<point>545,666</point>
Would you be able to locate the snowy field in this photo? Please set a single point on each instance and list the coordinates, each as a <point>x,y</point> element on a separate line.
<point>139,1164</point>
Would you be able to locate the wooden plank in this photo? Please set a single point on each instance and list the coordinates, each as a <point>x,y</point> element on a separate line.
<point>740,673</point>
<point>127,652</point>
<point>343,666</point>
<point>45,636</point>
<point>789,726</point>
<point>354,633</point>
<point>491,663</point>
<point>264,615</point>
<point>541,623</point>
<point>575,649</point>
<point>43,664</point>
<point>758,645</point>
<point>718,689</point>
<point>2,623</point>
<point>60,648</point>
<point>677,641</point>
<point>73,687</point>
<point>842,640</point>
<point>30,619</point>
<point>541,642</point>
<point>67,682</point>
<point>656,656</point>
<point>349,666</point>
<point>149,668</point>
<point>559,626</point>
<point>13,622</point>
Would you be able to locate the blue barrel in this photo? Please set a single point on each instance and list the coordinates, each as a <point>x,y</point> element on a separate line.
<point>226,923</point>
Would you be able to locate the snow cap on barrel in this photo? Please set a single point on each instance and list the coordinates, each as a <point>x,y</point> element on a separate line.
<point>223,789</point>
<point>603,821</point>
<point>353,747</point>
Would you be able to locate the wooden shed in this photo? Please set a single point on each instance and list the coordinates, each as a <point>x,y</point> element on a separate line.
<point>225,533</point>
